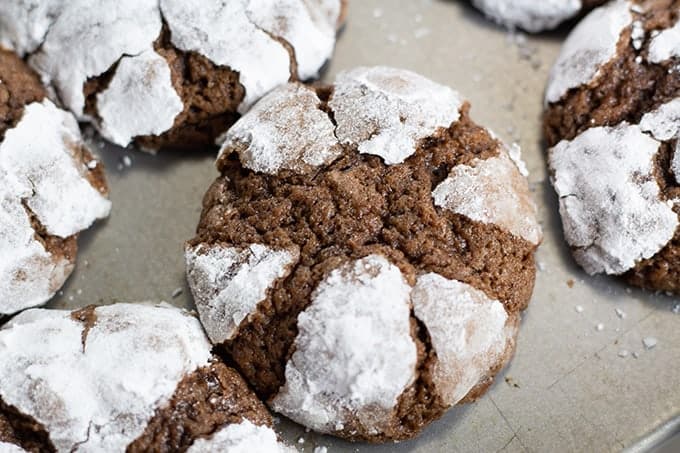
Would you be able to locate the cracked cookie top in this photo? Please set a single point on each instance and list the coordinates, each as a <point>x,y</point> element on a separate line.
<point>532,15</point>
<point>124,377</point>
<point>51,188</point>
<point>169,72</point>
<point>613,121</point>
<point>365,254</point>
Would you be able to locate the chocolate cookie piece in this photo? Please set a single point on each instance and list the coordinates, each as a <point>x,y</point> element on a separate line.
<point>51,188</point>
<point>366,253</point>
<point>613,121</point>
<point>173,73</point>
<point>534,15</point>
<point>125,377</point>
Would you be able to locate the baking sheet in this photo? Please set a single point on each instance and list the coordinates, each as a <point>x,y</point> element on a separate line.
<point>567,388</point>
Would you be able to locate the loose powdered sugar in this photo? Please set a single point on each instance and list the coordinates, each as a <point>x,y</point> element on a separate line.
<point>244,437</point>
<point>491,191</point>
<point>24,23</point>
<point>590,45</point>
<point>10,448</point>
<point>609,200</point>
<point>285,130</point>
<point>386,111</point>
<point>352,359</point>
<point>531,15</point>
<point>45,172</point>
<point>139,100</point>
<point>665,45</point>
<point>470,333</point>
<point>228,283</point>
<point>97,393</point>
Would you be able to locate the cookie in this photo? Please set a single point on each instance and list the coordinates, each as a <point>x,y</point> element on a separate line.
<point>534,15</point>
<point>612,121</point>
<point>173,73</point>
<point>124,377</point>
<point>364,256</point>
<point>51,188</point>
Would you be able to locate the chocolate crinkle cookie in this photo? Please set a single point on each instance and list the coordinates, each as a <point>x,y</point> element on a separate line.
<point>124,377</point>
<point>613,122</point>
<point>51,188</point>
<point>364,256</point>
<point>169,73</point>
<point>534,15</point>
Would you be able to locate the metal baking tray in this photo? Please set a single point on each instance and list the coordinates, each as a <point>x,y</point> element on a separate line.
<point>568,388</point>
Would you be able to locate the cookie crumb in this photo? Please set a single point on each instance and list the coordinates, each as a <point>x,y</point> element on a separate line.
<point>635,355</point>
<point>620,313</point>
<point>570,283</point>
<point>301,440</point>
<point>177,292</point>
<point>623,353</point>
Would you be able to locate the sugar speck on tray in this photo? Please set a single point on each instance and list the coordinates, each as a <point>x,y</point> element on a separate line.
<point>620,313</point>
<point>623,353</point>
<point>579,308</point>
<point>320,450</point>
<point>599,327</point>
<point>649,342</point>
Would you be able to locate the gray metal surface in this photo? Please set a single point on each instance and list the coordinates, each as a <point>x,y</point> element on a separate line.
<point>567,388</point>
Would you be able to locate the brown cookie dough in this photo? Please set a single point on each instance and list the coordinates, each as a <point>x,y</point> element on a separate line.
<point>167,73</point>
<point>51,188</point>
<point>125,377</point>
<point>613,110</point>
<point>366,253</point>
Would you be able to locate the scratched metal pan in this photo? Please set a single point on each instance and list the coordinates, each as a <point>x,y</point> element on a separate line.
<point>567,388</point>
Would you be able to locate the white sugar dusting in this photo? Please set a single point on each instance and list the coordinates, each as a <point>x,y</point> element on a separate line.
<point>262,62</point>
<point>309,27</point>
<point>285,130</point>
<point>665,45</point>
<point>6,447</point>
<point>244,437</point>
<point>664,124</point>
<point>228,283</point>
<point>24,23</point>
<point>100,395</point>
<point>491,191</point>
<point>85,40</point>
<point>610,202</point>
<point>590,45</point>
<point>140,99</point>
<point>46,172</point>
<point>530,15</point>
<point>471,333</point>
<point>386,111</point>
<point>352,358</point>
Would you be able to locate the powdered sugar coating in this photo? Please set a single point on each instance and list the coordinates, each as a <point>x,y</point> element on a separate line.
<point>491,191</point>
<point>261,61</point>
<point>590,45</point>
<point>665,45</point>
<point>470,333</point>
<point>386,111</point>
<point>45,172</point>
<point>97,393</point>
<point>24,23</point>
<point>140,99</point>
<point>244,437</point>
<point>309,26</point>
<point>530,15</point>
<point>88,37</point>
<point>285,130</point>
<point>616,218</point>
<point>664,124</point>
<point>10,448</point>
<point>228,283</point>
<point>352,359</point>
